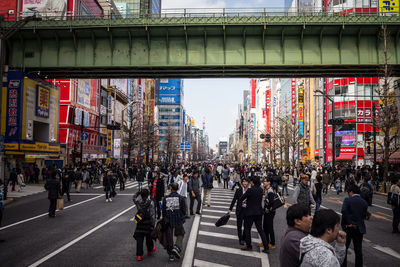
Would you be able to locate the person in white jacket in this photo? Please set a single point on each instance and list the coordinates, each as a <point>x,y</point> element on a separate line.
<point>316,249</point>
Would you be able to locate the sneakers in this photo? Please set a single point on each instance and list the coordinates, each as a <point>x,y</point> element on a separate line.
<point>198,213</point>
<point>171,257</point>
<point>176,252</point>
<point>139,258</point>
<point>107,200</point>
<point>110,199</point>
<point>149,253</point>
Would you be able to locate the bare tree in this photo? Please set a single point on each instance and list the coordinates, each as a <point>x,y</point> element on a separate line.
<point>388,117</point>
<point>171,145</point>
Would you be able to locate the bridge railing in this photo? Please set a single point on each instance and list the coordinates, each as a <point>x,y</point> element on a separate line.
<point>202,13</point>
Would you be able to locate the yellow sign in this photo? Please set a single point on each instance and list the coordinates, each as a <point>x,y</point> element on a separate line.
<point>109,139</point>
<point>42,147</point>
<point>108,160</point>
<point>11,146</point>
<point>389,6</point>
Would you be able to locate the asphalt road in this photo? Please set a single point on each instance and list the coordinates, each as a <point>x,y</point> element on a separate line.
<point>91,232</point>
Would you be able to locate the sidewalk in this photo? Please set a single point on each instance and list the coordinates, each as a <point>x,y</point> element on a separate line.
<point>26,191</point>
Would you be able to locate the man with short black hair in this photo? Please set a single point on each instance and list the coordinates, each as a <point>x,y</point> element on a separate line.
<point>316,248</point>
<point>302,193</point>
<point>354,211</point>
<point>299,223</point>
<point>173,211</point>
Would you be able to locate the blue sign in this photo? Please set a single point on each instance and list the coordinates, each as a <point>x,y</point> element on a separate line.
<point>185,146</point>
<point>14,105</point>
<point>170,92</point>
<point>84,136</point>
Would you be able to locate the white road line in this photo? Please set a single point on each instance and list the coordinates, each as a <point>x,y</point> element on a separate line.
<point>234,251</point>
<point>222,198</point>
<point>387,250</point>
<point>200,263</point>
<point>225,226</point>
<point>220,202</point>
<point>191,245</point>
<point>219,235</point>
<point>37,263</point>
<point>215,217</point>
<point>220,207</point>
<point>45,214</point>
<point>385,208</point>
<point>329,208</point>
<point>85,194</point>
<point>215,211</point>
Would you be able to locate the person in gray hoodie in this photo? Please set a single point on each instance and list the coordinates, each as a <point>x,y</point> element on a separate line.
<point>299,224</point>
<point>316,249</point>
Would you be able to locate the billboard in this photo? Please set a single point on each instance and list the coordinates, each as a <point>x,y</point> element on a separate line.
<point>84,92</point>
<point>301,111</point>
<point>14,105</point>
<point>42,101</point>
<point>268,106</point>
<point>46,8</point>
<point>253,92</point>
<point>170,92</point>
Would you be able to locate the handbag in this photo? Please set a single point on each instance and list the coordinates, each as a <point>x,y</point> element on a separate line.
<point>223,220</point>
<point>60,204</point>
<point>277,202</point>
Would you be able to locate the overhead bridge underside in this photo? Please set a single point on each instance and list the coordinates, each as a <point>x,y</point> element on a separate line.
<point>207,47</point>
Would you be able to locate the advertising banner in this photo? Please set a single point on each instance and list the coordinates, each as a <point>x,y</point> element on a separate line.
<point>117,148</point>
<point>293,100</point>
<point>45,8</point>
<point>253,93</point>
<point>84,92</point>
<point>268,111</point>
<point>109,139</point>
<point>301,111</point>
<point>42,101</point>
<point>170,92</point>
<point>389,6</point>
<point>14,105</point>
<point>121,85</point>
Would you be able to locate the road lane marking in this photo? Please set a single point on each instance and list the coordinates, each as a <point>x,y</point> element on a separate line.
<point>226,236</point>
<point>387,250</point>
<point>215,211</point>
<point>220,202</point>
<point>215,217</point>
<point>45,214</point>
<point>385,208</point>
<point>69,244</point>
<point>200,263</point>
<point>234,251</point>
<point>224,226</point>
<point>191,245</point>
<point>220,207</point>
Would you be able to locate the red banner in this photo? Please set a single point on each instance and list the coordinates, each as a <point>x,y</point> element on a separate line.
<point>268,110</point>
<point>253,93</point>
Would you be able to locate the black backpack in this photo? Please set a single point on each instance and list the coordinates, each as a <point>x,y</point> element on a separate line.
<point>143,214</point>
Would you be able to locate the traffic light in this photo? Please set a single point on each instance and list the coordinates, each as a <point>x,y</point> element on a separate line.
<point>268,138</point>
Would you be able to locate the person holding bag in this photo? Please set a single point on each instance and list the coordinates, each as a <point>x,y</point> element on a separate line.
<point>269,214</point>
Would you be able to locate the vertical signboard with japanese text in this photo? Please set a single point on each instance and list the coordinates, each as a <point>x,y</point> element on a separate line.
<point>293,101</point>
<point>14,105</point>
<point>268,110</point>
<point>301,106</point>
<point>42,101</point>
<point>253,93</point>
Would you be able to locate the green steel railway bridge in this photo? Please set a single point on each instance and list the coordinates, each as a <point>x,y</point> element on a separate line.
<point>204,43</point>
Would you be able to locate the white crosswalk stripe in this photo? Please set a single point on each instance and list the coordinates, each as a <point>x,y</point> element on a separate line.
<point>214,239</point>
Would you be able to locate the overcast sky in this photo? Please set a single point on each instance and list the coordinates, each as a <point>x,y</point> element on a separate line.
<point>216,100</point>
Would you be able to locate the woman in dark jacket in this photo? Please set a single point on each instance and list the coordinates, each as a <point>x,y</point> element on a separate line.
<point>107,183</point>
<point>140,177</point>
<point>269,214</point>
<point>145,221</point>
<point>159,193</point>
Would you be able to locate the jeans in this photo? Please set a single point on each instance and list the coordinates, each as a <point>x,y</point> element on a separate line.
<point>192,199</point>
<point>139,244</point>
<point>317,204</point>
<point>285,188</point>
<point>248,223</point>
<point>355,235</point>
<point>396,219</point>
<point>234,185</point>
<point>226,183</point>
<point>207,194</point>
<point>268,226</point>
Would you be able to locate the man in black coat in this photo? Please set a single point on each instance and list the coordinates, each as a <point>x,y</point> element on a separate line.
<point>53,187</point>
<point>253,213</point>
<point>240,207</point>
<point>354,211</point>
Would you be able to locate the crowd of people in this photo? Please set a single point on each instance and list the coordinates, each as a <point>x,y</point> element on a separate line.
<point>167,195</point>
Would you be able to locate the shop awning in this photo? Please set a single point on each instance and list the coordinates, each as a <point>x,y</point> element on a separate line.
<point>345,157</point>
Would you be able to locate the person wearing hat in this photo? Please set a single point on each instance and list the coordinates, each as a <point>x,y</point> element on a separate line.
<point>302,193</point>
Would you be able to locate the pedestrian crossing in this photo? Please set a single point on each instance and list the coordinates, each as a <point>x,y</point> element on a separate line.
<point>219,246</point>
<point>128,185</point>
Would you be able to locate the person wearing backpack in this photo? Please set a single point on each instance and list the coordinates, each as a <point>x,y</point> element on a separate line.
<point>207,185</point>
<point>395,190</point>
<point>145,221</point>
<point>269,213</point>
